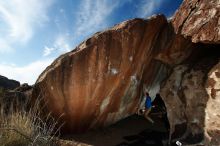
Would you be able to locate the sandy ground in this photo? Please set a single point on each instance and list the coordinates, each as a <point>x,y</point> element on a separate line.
<point>134,130</point>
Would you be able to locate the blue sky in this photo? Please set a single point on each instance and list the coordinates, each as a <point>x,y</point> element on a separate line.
<point>34,32</point>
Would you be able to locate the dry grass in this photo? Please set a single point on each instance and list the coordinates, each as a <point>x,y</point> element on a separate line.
<point>22,127</point>
<point>2,92</point>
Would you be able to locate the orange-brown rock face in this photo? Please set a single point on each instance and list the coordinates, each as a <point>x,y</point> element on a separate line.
<point>199,19</point>
<point>176,48</point>
<point>100,82</point>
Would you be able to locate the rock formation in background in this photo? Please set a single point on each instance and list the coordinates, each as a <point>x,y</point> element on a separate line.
<point>103,79</point>
<point>8,84</point>
<point>14,94</point>
<point>18,97</point>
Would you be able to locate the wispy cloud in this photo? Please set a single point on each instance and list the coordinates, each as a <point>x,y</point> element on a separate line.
<point>21,18</point>
<point>47,51</point>
<point>5,47</point>
<point>93,15</point>
<point>90,17</point>
<point>61,45</point>
<point>148,7</point>
<point>25,74</point>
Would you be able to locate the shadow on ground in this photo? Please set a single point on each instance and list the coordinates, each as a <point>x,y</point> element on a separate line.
<point>132,131</point>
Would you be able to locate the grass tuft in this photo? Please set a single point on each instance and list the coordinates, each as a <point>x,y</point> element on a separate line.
<point>22,127</point>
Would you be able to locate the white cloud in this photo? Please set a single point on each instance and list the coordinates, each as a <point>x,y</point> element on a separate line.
<point>92,15</point>
<point>148,7</point>
<point>62,43</point>
<point>21,18</point>
<point>47,50</point>
<point>5,47</point>
<point>25,74</point>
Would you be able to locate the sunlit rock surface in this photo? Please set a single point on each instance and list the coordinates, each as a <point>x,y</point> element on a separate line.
<point>212,124</point>
<point>199,19</point>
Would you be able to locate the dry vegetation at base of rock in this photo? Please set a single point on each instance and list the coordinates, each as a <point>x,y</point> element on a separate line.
<point>19,127</point>
<point>2,92</point>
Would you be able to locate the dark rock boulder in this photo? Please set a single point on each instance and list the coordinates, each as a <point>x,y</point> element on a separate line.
<point>19,98</point>
<point>8,84</point>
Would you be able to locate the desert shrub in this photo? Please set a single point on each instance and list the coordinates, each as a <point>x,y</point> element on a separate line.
<point>20,127</point>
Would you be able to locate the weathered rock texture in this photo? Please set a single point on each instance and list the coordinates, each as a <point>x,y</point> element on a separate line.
<point>212,123</point>
<point>185,96</point>
<point>103,79</point>
<point>199,19</point>
<point>100,82</point>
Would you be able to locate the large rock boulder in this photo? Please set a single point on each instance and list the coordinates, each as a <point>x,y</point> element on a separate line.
<point>103,79</point>
<point>100,82</point>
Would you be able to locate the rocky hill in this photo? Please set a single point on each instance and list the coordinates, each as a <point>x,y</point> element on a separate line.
<point>103,79</point>
<point>6,83</point>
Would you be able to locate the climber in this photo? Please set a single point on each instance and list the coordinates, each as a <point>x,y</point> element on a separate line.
<point>159,104</point>
<point>148,107</point>
<point>161,111</point>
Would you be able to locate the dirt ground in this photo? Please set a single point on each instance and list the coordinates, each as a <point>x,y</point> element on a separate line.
<point>132,131</point>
